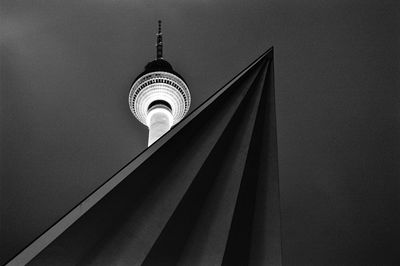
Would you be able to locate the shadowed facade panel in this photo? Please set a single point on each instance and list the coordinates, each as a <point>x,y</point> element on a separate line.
<point>209,195</point>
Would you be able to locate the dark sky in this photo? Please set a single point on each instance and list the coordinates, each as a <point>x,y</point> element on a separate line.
<point>65,124</point>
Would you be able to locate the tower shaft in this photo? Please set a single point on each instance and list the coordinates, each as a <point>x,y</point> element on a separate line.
<point>159,122</point>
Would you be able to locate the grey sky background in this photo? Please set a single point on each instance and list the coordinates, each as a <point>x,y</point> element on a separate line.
<point>65,124</point>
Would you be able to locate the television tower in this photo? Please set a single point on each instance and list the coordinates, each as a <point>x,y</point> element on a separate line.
<point>159,97</point>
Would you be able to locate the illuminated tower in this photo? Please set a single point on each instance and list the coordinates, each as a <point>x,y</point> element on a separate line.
<point>159,97</point>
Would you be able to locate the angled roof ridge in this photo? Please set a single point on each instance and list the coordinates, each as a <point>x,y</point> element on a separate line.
<point>57,228</point>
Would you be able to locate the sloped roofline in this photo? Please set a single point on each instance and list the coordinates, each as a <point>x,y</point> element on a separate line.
<point>56,229</point>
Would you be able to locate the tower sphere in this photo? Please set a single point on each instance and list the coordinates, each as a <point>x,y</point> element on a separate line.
<point>159,96</point>
<point>159,84</point>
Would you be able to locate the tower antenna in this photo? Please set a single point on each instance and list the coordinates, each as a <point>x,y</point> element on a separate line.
<point>159,42</point>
